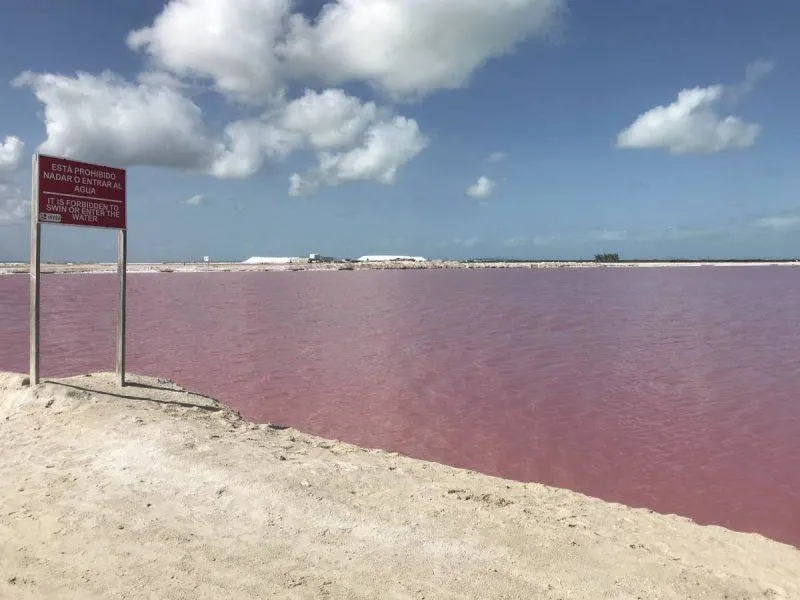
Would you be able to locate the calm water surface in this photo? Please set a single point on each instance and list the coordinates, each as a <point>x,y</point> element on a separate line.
<point>676,389</point>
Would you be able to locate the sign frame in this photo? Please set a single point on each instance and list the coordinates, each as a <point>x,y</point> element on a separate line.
<point>80,194</point>
<point>35,268</point>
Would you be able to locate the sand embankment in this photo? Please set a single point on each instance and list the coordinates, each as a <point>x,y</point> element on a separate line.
<point>152,492</point>
<point>8,268</point>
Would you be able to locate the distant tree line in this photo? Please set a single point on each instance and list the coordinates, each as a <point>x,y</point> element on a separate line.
<point>606,258</point>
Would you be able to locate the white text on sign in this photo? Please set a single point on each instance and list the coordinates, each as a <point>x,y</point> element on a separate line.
<point>86,211</point>
<point>85,181</point>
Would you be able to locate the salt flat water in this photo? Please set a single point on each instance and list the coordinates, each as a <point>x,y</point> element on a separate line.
<point>676,389</point>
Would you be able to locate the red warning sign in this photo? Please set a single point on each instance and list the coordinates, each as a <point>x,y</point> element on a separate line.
<point>77,193</point>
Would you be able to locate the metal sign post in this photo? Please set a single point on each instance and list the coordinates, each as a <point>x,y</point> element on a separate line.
<point>122,268</point>
<point>67,192</point>
<point>36,246</point>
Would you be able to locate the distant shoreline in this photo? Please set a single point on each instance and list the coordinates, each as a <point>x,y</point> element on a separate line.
<point>13,268</point>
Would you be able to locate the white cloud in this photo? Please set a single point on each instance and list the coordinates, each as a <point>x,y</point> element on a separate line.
<point>779,222</point>
<point>412,47</point>
<point>299,186</point>
<point>353,140</point>
<point>690,125</point>
<point>107,119</point>
<point>249,49</point>
<point>326,120</point>
<point>766,225</point>
<point>14,205</point>
<point>516,242</point>
<point>482,189</point>
<point>387,145</point>
<point>496,157</point>
<point>673,234</point>
<point>10,152</point>
<point>538,240</point>
<point>195,200</point>
<point>248,145</point>
<point>755,72</point>
<point>609,235</point>
<point>231,42</point>
<point>156,79</point>
<point>330,119</point>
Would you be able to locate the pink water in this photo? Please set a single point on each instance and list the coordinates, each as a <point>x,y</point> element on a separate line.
<point>676,389</point>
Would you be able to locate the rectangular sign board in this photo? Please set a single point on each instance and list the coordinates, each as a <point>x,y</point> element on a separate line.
<point>77,193</point>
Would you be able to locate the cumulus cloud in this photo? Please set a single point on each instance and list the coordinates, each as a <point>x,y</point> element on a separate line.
<point>249,49</point>
<point>152,122</point>
<point>690,125</point>
<point>230,42</point>
<point>388,145</point>
<point>319,121</point>
<point>496,157</point>
<point>412,47</point>
<point>10,152</point>
<point>326,120</point>
<point>247,146</point>
<point>14,204</point>
<point>105,118</point>
<point>353,141</point>
<point>330,119</point>
<point>483,188</point>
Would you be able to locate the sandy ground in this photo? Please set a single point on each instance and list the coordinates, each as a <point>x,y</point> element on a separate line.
<point>153,492</point>
<point>7,268</point>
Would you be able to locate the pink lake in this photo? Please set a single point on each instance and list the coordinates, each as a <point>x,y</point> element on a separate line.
<point>676,389</point>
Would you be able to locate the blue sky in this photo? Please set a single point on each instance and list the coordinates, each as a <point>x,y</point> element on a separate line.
<point>447,128</point>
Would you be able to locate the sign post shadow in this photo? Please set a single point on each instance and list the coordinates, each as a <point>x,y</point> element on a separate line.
<point>67,192</point>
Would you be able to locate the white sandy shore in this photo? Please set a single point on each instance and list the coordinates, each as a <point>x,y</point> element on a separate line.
<point>152,492</point>
<point>194,267</point>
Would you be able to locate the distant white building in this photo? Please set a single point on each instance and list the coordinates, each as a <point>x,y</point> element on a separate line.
<point>381,258</point>
<point>273,260</point>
